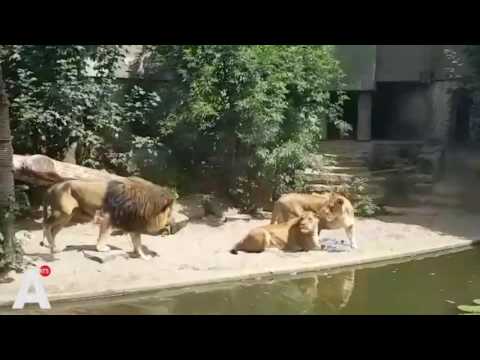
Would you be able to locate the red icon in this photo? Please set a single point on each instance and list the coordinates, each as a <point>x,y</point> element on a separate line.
<point>45,270</point>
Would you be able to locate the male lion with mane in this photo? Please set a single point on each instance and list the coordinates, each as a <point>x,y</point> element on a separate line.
<point>297,234</point>
<point>334,210</point>
<point>134,205</point>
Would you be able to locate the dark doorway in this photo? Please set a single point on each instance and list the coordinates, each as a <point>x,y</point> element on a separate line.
<point>462,105</point>
<point>350,115</point>
<point>382,103</point>
<point>399,111</point>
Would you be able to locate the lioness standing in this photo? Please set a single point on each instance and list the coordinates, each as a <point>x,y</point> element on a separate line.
<point>298,234</point>
<point>334,211</point>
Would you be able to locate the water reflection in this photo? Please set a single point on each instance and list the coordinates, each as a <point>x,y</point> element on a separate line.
<point>305,295</point>
<point>433,285</point>
<point>309,294</point>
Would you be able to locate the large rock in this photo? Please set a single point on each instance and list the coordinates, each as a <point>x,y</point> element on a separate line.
<point>215,206</point>
<point>234,217</point>
<point>197,206</point>
<point>179,222</point>
<point>190,206</point>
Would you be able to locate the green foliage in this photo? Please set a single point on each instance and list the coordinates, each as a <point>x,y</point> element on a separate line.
<point>258,110</point>
<point>11,254</point>
<point>472,53</point>
<point>22,206</point>
<point>358,192</point>
<point>472,84</point>
<point>364,204</point>
<point>470,309</point>
<point>55,102</point>
<point>261,109</point>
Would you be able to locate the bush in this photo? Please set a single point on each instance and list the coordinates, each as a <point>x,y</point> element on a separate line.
<point>55,102</point>
<point>22,207</point>
<point>357,192</point>
<point>260,110</point>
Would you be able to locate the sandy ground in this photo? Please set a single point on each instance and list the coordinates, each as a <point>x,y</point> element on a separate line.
<point>199,253</point>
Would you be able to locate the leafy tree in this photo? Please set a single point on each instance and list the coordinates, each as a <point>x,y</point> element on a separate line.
<point>10,249</point>
<point>261,109</point>
<point>472,53</point>
<point>57,102</point>
<point>256,111</point>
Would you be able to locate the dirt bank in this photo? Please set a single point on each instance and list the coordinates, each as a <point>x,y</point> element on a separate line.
<point>198,254</point>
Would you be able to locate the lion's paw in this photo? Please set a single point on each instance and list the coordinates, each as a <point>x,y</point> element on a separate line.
<point>103,248</point>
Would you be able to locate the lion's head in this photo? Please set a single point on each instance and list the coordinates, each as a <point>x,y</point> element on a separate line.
<point>308,223</point>
<point>335,208</point>
<point>138,205</point>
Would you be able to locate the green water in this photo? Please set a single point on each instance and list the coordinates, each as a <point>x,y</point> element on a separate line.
<point>433,285</point>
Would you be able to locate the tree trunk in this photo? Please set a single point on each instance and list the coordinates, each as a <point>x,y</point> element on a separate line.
<point>8,246</point>
<point>41,170</point>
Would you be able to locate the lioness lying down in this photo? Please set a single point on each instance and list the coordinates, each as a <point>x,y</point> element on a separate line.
<point>298,234</point>
<point>333,210</point>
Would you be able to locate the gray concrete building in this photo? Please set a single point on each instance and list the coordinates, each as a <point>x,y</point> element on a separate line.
<point>398,93</point>
<point>406,92</point>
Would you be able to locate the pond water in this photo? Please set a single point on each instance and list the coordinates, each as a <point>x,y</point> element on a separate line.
<point>434,285</point>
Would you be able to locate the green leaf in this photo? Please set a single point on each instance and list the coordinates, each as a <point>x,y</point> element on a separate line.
<point>469,308</point>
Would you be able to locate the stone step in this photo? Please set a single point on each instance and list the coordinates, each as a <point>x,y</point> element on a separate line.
<point>322,188</point>
<point>319,162</point>
<point>437,200</point>
<point>392,164</point>
<point>421,188</point>
<point>394,171</point>
<point>352,170</point>
<point>420,178</point>
<point>328,178</point>
<point>445,189</point>
<point>339,157</point>
<point>340,178</point>
<point>370,189</point>
<point>319,176</point>
<point>342,146</point>
<point>353,163</point>
<point>378,180</point>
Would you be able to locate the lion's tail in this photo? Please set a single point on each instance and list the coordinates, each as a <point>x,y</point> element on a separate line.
<point>235,249</point>
<point>46,204</point>
<point>45,207</point>
<point>275,213</point>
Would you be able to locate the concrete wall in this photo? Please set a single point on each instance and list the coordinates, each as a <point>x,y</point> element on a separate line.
<point>441,107</point>
<point>401,111</point>
<point>358,63</point>
<point>427,109</point>
<point>366,64</point>
<point>449,62</point>
<point>410,114</point>
<point>408,62</point>
<point>475,119</point>
<point>132,52</point>
<point>402,62</point>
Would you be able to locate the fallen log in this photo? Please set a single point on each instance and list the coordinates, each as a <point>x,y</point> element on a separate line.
<point>40,170</point>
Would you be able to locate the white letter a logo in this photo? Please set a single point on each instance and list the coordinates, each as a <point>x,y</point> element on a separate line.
<point>31,279</point>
